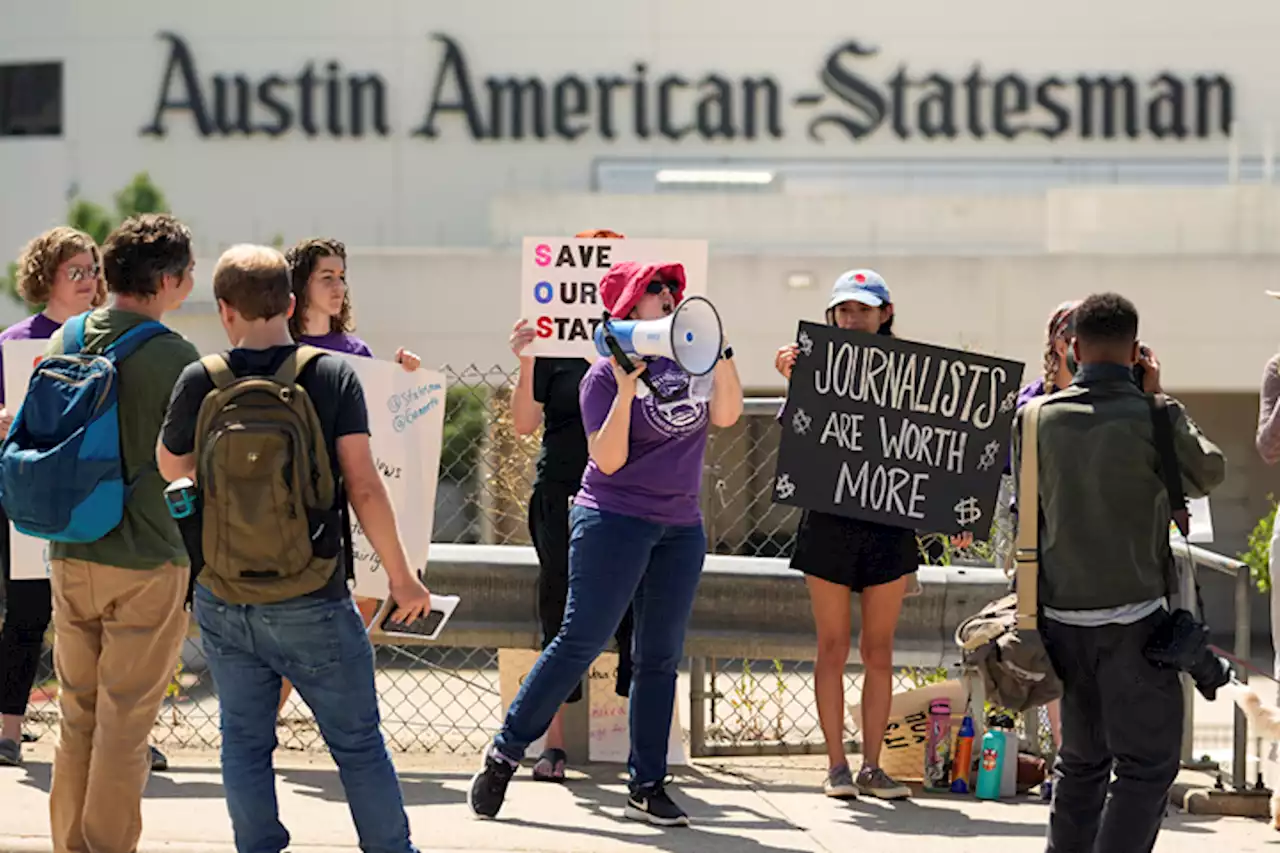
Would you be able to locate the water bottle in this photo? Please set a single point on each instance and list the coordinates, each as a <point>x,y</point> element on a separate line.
<point>963,763</point>
<point>1009,760</point>
<point>991,765</point>
<point>938,746</point>
<point>183,500</point>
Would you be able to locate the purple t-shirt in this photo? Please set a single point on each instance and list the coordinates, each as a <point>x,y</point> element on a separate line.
<point>338,342</point>
<point>662,477</point>
<point>37,327</point>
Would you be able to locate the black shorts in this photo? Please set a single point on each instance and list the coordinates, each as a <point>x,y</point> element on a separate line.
<point>853,553</point>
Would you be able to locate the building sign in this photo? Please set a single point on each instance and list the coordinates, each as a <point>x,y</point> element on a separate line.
<point>854,97</point>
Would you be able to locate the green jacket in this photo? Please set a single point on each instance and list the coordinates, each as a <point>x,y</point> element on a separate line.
<point>1104,509</point>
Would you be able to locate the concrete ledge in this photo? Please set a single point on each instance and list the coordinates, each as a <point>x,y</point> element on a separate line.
<point>1194,793</point>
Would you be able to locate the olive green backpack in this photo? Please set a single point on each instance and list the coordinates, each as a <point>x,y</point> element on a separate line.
<point>270,532</point>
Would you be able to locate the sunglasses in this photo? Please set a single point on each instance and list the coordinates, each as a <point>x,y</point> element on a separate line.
<point>81,273</point>
<point>656,287</point>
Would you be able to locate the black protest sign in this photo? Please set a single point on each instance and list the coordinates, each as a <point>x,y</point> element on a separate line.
<point>893,431</point>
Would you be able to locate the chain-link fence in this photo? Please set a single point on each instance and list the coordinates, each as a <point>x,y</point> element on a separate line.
<point>437,698</point>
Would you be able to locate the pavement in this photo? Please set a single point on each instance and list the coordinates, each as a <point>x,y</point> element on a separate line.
<point>740,805</point>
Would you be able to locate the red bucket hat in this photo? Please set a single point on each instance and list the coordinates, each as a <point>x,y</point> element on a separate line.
<point>625,282</point>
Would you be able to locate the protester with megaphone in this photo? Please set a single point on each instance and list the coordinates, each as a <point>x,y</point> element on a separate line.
<point>546,394</point>
<point>839,555</point>
<point>637,536</point>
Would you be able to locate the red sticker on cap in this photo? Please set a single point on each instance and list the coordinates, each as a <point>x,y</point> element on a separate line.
<point>859,278</point>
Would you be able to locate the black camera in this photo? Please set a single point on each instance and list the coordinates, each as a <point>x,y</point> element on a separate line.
<point>1182,643</point>
<point>1140,371</point>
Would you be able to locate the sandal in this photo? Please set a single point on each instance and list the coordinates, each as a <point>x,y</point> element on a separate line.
<point>550,766</point>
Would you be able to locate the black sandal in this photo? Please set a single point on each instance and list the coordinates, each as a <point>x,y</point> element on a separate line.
<point>550,766</point>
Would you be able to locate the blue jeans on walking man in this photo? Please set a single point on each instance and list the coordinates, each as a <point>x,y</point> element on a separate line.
<point>615,561</point>
<point>322,647</point>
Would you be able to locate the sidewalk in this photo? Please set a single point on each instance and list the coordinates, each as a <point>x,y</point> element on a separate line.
<point>737,806</point>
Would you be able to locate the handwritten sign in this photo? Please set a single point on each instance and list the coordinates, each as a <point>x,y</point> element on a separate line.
<point>559,285</point>
<point>28,556</point>
<point>896,432</point>
<point>406,425</point>
<point>609,734</point>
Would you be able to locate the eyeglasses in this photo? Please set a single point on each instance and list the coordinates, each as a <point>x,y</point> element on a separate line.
<point>656,287</point>
<point>81,273</point>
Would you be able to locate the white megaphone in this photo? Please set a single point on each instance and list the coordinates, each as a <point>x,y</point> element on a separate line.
<point>690,336</point>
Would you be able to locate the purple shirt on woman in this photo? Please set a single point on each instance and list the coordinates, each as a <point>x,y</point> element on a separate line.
<point>662,476</point>
<point>37,327</point>
<point>338,342</point>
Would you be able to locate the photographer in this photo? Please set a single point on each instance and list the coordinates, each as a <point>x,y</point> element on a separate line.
<point>1105,567</point>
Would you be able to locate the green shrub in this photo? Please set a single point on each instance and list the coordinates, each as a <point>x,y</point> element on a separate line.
<point>464,425</point>
<point>1258,555</point>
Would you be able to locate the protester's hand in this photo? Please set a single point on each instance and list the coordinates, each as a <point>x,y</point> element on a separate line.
<point>1151,369</point>
<point>785,360</point>
<point>6,421</point>
<point>522,334</point>
<point>409,361</point>
<point>960,541</point>
<point>412,598</point>
<point>626,381</point>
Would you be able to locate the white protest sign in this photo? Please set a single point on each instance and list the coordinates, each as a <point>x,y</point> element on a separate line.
<point>406,423</point>
<point>559,285</point>
<point>1201,521</point>
<point>28,556</point>
<point>609,735</point>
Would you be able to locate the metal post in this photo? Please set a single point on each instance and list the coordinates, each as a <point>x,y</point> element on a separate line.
<point>1187,592</point>
<point>1241,729</point>
<point>697,707</point>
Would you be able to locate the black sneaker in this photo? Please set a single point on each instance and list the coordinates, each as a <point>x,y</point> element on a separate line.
<point>489,786</point>
<point>158,762</point>
<point>653,805</point>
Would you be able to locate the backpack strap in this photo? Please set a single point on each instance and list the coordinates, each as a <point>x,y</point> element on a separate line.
<point>73,334</point>
<point>294,364</point>
<point>1028,547</point>
<point>128,343</point>
<point>218,369</point>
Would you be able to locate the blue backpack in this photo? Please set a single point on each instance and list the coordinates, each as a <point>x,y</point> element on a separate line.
<point>61,471</point>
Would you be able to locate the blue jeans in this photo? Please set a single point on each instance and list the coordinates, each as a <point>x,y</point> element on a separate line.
<point>617,560</point>
<point>321,646</point>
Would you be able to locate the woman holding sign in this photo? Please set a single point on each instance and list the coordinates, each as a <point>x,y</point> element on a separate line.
<point>60,270</point>
<point>322,318</point>
<point>636,537</point>
<point>839,555</point>
<point>546,394</point>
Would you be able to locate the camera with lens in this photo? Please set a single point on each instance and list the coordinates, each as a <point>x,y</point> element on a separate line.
<point>1182,643</point>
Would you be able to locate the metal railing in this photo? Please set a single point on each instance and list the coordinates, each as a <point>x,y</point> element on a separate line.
<point>751,643</point>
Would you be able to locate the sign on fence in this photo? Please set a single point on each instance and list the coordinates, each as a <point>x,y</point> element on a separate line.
<point>609,735</point>
<point>28,556</point>
<point>897,432</point>
<point>406,423</point>
<point>559,285</point>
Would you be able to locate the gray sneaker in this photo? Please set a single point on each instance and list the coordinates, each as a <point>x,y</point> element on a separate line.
<point>839,784</point>
<point>10,753</point>
<point>874,782</point>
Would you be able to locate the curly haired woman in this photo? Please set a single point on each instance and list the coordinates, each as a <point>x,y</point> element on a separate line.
<point>59,273</point>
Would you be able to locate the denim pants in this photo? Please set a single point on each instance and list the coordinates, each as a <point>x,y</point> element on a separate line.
<point>616,560</point>
<point>321,646</point>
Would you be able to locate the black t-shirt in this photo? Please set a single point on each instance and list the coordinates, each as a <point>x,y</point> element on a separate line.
<point>564,442</point>
<point>331,383</point>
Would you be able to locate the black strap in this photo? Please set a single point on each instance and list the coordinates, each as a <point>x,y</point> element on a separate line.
<point>1170,470</point>
<point>348,545</point>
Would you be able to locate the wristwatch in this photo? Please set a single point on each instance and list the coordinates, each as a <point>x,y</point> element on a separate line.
<point>728,353</point>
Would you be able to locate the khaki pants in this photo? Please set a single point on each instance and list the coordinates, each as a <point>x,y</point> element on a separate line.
<point>117,637</point>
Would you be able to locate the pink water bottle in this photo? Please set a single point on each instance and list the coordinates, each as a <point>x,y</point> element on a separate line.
<point>937,769</point>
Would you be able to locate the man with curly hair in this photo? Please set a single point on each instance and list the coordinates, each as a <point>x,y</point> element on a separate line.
<point>119,612</point>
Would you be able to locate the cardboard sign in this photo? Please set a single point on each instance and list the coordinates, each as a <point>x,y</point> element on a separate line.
<point>609,735</point>
<point>902,753</point>
<point>28,556</point>
<point>1201,521</point>
<point>896,432</point>
<point>406,424</point>
<point>559,285</point>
